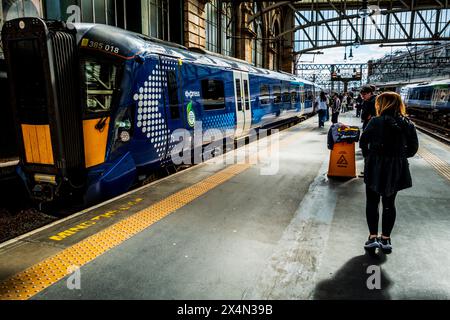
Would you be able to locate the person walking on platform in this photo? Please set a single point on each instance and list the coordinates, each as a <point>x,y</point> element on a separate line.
<point>322,106</point>
<point>330,102</point>
<point>387,142</point>
<point>368,107</point>
<point>335,108</point>
<point>344,102</point>
<point>359,102</point>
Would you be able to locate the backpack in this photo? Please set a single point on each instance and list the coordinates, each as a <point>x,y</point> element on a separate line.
<point>410,137</point>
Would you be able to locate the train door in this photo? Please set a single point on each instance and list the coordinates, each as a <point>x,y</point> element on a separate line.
<point>439,97</point>
<point>175,118</point>
<point>435,97</point>
<point>242,102</point>
<point>302,98</point>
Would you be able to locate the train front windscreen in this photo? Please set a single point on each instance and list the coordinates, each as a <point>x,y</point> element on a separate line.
<point>29,81</point>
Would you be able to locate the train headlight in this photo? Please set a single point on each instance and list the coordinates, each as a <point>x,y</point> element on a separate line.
<point>124,136</point>
<point>45,178</point>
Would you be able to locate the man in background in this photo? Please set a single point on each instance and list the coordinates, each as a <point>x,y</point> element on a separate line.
<point>368,107</point>
<point>335,108</point>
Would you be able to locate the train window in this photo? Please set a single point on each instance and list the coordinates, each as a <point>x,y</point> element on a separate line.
<point>426,93</point>
<point>302,94</point>
<point>309,92</point>
<point>276,94</point>
<point>213,94</point>
<point>286,94</point>
<point>172,87</point>
<point>442,95</point>
<point>238,94</point>
<point>247,95</point>
<point>100,80</point>
<point>264,94</point>
<point>294,95</point>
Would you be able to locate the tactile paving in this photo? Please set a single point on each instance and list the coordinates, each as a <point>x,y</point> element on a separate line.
<point>33,280</point>
<point>441,166</point>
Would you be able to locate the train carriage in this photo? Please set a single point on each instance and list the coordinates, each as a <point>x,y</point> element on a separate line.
<point>96,107</point>
<point>430,95</point>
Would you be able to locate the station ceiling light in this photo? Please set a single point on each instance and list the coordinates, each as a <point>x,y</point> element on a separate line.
<point>365,11</point>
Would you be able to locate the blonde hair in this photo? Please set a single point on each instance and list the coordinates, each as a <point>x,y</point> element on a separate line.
<point>390,102</point>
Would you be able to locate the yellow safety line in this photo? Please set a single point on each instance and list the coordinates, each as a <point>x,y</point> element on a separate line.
<point>33,280</point>
<point>441,166</point>
<point>42,275</point>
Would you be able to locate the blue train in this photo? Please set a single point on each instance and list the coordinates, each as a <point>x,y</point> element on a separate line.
<point>96,106</point>
<point>428,96</point>
<point>429,101</point>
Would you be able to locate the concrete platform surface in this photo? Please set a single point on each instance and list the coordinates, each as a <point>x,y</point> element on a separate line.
<point>295,234</point>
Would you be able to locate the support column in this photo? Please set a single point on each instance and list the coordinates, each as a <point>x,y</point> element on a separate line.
<point>1,25</point>
<point>286,54</point>
<point>194,23</point>
<point>244,34</point>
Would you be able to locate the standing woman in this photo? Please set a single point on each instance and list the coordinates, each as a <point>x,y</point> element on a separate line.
<point>322,105</point>
<point>387,141</point>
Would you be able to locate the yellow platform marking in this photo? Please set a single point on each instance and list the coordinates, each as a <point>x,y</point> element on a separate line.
<point>33,280</point>
<point>60,236</point>
<point>441,166</point>
<point>38,277</point>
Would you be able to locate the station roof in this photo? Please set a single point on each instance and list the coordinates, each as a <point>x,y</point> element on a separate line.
<point>354,4</point>
<point>131,45</point>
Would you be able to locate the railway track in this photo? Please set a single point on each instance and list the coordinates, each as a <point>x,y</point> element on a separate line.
<point>438,132</point>
<point>18,215</point>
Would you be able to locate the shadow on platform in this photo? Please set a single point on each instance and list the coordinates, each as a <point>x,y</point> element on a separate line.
<point>350,281</point>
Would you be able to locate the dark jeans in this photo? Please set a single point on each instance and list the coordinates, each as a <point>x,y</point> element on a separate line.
<point>334,117</point>
<point>373,215</point>
<point>322,117</point>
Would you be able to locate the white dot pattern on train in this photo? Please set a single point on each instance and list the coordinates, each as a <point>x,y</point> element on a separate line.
<point>149,97</point>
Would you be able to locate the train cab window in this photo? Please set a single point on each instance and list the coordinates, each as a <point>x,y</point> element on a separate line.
<point>276,94</point>
<point>213,94</point>
<point>172,87</point>
<point>264,94</point>
<point>29,83</point>
<point>100,81</point>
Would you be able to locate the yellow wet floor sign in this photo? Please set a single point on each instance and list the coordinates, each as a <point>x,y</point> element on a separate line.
<point>342,160</point>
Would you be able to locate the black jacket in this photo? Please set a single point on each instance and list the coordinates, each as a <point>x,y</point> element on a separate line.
<point>368,110</point>
<point>386,144</point>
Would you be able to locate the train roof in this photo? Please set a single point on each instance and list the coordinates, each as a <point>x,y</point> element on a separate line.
<point>429,83</point>
<point>131,44</point>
